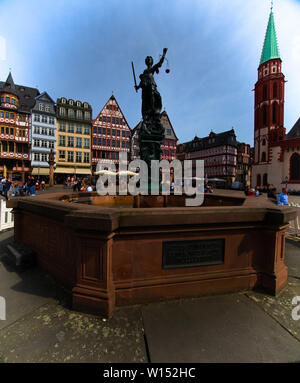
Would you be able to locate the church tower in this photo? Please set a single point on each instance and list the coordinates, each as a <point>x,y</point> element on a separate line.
<point>269,128</point>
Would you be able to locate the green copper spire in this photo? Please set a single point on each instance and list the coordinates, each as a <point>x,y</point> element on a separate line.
<point>270,50</point>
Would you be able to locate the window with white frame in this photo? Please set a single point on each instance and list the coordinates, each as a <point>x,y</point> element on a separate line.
<point>78,142</point>
<point>86,158</point>
<point>62,126</point>
<point>78,156</point>
<point>62,140</point>
<point>62,154</point>
<point>71,142</point>
<point>71,128</point>
<point>70,156</point>
<point>44,157</point>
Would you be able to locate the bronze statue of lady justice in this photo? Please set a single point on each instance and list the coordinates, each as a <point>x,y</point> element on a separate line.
<point>152,131</point>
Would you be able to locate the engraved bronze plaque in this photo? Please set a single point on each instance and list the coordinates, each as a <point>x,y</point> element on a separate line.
<point>200,252</point>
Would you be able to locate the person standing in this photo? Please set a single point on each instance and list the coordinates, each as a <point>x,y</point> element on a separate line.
<point>7,186</point>
<point>271,193</point>
<point>283,198</point>
<point>79,185</point>
<point>31,186</point>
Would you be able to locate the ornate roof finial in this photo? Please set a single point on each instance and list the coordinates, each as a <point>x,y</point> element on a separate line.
<point>271,5</point>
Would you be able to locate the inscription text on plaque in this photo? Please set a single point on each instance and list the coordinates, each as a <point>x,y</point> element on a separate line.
<point>200,252</point>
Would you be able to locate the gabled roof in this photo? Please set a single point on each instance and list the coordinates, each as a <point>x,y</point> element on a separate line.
<point>270,49</point>
<point>165,114</point>
<point>25,94</point>
<point>45,97</point>
<point>212,140</point>
<point>112,98</point>
<point>295,131</point>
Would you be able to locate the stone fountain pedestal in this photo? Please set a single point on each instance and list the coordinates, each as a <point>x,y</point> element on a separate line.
<point>112,256</point>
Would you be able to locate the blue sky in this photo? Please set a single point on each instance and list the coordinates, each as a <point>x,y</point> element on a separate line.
<point>82,49</point>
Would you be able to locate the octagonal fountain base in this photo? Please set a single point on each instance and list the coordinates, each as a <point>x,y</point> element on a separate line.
<point>114,251</point>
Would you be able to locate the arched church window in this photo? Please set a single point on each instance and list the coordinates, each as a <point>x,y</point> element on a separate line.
<point>263,157</point>
<point>295,166</point>
<point>264,115</point>
<point>263,142</point>
<point>258,180</point>
<point>275,89</point>
<point>265,92</point>
<point>265,179</point>
<point>274,112</point>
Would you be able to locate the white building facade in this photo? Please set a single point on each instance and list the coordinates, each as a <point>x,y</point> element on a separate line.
<point>43,134</point>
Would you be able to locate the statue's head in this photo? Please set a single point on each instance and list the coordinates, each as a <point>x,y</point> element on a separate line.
<point>149,61</point>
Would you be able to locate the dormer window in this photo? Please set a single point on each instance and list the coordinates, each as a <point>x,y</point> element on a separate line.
<point>78,103</point>
<point>85,105</point>
<point>71,102</point>
<point>63,100</point>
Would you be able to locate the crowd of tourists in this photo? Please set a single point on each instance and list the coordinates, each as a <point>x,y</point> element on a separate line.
<point>28,188</point>
<point>279,198</point>
<point>78,184</point>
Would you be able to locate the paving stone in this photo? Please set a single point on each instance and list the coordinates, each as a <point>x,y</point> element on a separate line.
<point>55,334</point>
<point>227,328</point>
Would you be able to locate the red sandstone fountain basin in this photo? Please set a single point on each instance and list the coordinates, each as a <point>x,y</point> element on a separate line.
<point>114,251</point>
